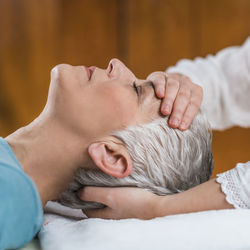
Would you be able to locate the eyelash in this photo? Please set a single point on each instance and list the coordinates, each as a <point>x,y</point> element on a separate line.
<point>135,88</point>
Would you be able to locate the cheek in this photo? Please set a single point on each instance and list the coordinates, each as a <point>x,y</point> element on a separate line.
<point>150,110</point>
<point>119,106</point>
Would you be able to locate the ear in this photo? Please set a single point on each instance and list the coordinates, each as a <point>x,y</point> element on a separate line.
<point>111,157</point>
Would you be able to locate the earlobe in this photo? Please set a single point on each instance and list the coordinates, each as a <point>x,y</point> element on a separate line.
<point>111,158</point>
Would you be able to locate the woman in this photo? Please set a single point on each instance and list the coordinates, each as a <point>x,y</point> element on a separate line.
<point>84,106</point>
<point>225,79</point>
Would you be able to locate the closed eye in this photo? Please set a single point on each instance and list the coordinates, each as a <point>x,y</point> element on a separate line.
<point>135,88</point>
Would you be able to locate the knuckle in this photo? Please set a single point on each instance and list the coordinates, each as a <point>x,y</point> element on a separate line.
<point>110,198</point>
<point>197,91</point>
<point>175,76</point>
<point>160,82</point>
<point>168,100</point>
<point>187,118</point>
<point>184,93</point>
<point>200,89</point>
<point>156,76</point>
<point>195,105</point>
<point>173,83</point>
<point>185,79</point>
<point>178,112</point>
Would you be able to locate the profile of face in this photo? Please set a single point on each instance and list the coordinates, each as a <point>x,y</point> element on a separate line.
<point>94,101</point>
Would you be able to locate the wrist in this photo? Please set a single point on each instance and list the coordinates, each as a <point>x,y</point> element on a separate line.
<point>164,205</point>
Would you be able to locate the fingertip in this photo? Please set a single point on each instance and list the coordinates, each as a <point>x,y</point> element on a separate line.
<point>174,122</point>
<point>80,193</point>
<point>166,109</point>
<point>183,126</point>
<point>89,213</point>
<point>163,112</point>
<point>85,193</point>
<point>170,124</point>
<point>97,213</point>
<point>160,92</point>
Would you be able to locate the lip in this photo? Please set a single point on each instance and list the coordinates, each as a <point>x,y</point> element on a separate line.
<point>90,71</point>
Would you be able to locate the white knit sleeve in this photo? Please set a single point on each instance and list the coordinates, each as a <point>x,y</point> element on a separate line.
<point>225,79</point>
<point>235,184</point>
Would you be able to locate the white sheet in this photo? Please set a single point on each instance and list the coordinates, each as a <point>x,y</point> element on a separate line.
<point>222,229</point>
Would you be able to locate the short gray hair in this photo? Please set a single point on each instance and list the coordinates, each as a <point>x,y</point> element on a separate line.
<point>165,161</point>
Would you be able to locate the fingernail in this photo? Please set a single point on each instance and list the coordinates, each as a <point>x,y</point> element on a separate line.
<point>175,122</point>
<point>183,125</point>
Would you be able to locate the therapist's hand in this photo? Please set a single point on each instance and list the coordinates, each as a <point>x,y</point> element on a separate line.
<point>122,203</point>
<point>181,98</point>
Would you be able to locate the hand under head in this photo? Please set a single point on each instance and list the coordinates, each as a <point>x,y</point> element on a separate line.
<point>165,161</point>
<point>79,128</point>
<point>120,116</point>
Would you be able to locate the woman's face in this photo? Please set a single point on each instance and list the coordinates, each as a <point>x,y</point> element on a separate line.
<point>93,101</point>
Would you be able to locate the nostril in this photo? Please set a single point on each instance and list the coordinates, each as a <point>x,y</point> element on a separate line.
<point>110,68</point>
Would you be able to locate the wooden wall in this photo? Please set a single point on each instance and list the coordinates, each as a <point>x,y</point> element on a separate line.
<point>147,35</point>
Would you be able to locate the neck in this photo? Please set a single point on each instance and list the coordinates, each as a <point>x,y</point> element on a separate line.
<point>49,154</point>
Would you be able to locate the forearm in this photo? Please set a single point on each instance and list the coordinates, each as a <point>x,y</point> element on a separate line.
<point>207,196</point>
<point>123,203</point>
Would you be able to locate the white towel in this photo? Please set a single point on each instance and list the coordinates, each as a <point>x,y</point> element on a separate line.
<point>222,229</point>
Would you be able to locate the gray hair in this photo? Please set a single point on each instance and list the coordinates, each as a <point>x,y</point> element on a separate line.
<point>165,161</point>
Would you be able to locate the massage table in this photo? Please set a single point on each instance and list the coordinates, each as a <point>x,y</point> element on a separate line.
<point>215,229</point>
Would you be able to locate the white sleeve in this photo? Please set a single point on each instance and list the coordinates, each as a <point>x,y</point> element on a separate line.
<point>225,79</point>
<point>235,183</point>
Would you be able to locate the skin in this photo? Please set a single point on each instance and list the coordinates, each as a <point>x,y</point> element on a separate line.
<point>183,98</point>
<point>123,203</point>
<point>73,129</point>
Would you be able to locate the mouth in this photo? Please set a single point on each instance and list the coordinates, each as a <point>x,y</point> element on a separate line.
<point>90,71</point>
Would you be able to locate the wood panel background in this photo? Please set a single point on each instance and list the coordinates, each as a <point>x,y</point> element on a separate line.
<point>147,35</point>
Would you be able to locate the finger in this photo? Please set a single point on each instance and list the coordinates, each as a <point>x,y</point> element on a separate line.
<point>180,106</point>
<point>103,213</point>
<point>171,91</point>
<point>189,115</point>
<point>97,194</point>
<point>159,81</point>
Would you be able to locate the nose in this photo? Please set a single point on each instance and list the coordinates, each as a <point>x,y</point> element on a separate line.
<point>117,69</point>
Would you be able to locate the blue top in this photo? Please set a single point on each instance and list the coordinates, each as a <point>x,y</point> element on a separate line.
<point>21,213</point>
